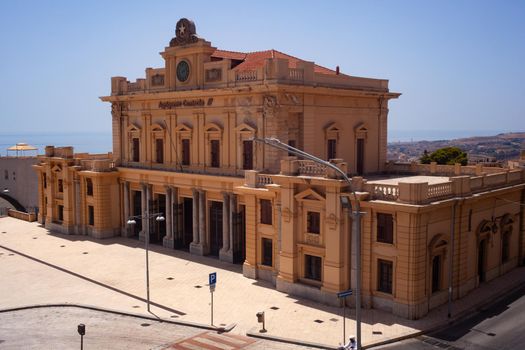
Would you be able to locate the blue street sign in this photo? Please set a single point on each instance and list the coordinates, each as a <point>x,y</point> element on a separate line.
<point>344,293</point>
<point>213,279</point>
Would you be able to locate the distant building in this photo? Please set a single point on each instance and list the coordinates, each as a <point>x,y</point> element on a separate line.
<point>182,146</point>
<point>18,183</point>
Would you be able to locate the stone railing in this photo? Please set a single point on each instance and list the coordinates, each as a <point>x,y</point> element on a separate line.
<point>438,191</point>
<point>98,165</point>
<point>246,75</point>
<point>263,180</point>
<point>440,170</point>
<point>383,192</point>
<point>310,168</point>
<point>296,74</point>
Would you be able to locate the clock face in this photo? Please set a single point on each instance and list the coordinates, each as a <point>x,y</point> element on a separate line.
<point>183,71</point>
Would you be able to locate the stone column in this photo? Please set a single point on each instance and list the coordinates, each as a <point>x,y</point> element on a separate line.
<point>168,240</point>
<point>175,214</point>
<point>144,198</point>
<point>196,245</point>
<point>126,229</point>
<point>78,227</point>
<point>223,253</point>
<point>202,221</point>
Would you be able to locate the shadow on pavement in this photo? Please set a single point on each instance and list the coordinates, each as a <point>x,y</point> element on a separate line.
<point>460,329</point>
<point>180,313</point>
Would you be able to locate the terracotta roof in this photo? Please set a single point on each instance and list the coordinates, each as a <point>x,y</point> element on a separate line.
<point>252,60</point>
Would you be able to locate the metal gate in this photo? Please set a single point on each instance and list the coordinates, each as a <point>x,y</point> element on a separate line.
<point>239,237</point>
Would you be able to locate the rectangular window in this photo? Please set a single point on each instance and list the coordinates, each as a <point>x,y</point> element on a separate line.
<point>89,187</point>
<point>470,220</point>
<point>384,276</point>
<point>313,222</point>
<point>247,155</point>
<point>385,228</point>
<point>159,148</point>
<point>135,150</point>
<point>60,185</point>
<point>266,211</point>
<point>331,149</point>
<point>312,267</point>
<point>91,215</point>
<point>505,247</point>
<point>185,152</point>
<point>60,212</point>
<point>436,273</point>
<point>291,143</point>
<point>267,252</point>
<point>44,180</point>
<point>215,153</point>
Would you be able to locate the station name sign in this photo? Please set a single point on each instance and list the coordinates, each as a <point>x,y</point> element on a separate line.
<point>200,102</point>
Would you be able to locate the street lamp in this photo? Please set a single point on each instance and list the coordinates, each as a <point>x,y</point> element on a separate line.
<point>5,190</point>
<point>355,215</point>
<point>81,331</point>
<point>132,221</point>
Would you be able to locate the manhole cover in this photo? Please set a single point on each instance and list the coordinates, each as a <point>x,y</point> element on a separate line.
<point>318,321</point>
<point>62,246</point>
<point>377,332</point>
<point>274,308</point>
<point>145,324</point>
<point>85,253</point>
<point>35,237</point>
<point>135,306</point>
<point>334,319</point>
<point>169,278</point>
<point>174,316</point>
<point>198,286</point>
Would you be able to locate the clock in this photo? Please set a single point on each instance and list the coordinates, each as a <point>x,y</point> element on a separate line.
<point>183,71</point>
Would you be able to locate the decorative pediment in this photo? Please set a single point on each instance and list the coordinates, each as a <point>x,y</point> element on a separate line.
<point>334,127</point>
<point>309,194</point>
<point>183,128</point>
<point>57,169</point>
<point>244,128</point>
<point>361,130</point>
<point>133,128</point>
<point>212,127</point>
<point>155,127</point>
<point>438,241</point>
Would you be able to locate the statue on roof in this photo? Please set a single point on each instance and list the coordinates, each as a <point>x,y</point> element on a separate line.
<point>184,33</point>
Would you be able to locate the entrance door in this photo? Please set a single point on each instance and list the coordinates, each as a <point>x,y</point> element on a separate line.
<point>481,260</point>
<point>215,228</point>
<point>137,210</point>
<point>239,236</point>
<point>360,156</point>
<point>187,223</point>
<point>158,227</point>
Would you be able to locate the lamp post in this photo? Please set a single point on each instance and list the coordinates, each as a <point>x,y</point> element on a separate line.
<point>131,221</point>
<point>355,215</point>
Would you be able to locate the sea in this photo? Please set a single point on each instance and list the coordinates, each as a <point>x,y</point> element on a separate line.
<point>100,142</point>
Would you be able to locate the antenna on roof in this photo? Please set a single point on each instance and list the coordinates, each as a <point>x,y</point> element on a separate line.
<point>337,70</point>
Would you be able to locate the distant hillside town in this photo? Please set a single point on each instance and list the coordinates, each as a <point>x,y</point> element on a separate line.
<point>496,149</point>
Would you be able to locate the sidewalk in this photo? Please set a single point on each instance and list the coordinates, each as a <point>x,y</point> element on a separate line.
<point>37,267</point>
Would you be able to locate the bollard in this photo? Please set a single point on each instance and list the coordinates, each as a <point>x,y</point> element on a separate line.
<point>260,319</point>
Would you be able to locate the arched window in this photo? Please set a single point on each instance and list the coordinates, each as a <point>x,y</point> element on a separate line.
<point>437,249</point>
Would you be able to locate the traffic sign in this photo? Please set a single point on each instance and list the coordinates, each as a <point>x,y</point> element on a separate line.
<point>344,293</point>
<point>212,279</point>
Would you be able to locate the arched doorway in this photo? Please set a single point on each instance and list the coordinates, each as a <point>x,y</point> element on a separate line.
<point>482,260</point>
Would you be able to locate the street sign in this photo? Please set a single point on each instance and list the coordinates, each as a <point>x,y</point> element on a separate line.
<point>212,279</point>
<point>344,293</point>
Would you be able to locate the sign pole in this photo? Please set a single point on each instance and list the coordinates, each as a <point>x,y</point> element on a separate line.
<point>344,320</point>
<point>212,307</point>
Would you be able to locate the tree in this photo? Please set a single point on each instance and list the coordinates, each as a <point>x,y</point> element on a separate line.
<point>445,155</point>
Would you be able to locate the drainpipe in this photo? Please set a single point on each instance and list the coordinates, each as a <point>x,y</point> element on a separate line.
<point>451,259</point>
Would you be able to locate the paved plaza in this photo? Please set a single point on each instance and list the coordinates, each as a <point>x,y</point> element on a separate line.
<point>39,267</point>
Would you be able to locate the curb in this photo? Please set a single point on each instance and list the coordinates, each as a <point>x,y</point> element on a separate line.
<point>288,340</point>
<point>122,313</point>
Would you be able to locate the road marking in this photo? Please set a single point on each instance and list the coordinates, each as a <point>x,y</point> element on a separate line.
<point>213,343</point>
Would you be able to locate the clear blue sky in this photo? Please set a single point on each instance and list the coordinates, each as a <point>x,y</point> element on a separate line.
<point>459,64</point>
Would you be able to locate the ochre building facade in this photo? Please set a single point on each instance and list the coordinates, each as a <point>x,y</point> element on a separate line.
<point>183,147</point>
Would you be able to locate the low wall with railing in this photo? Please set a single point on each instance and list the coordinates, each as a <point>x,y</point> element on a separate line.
<point>98,165</point>
<point>21,215</point>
